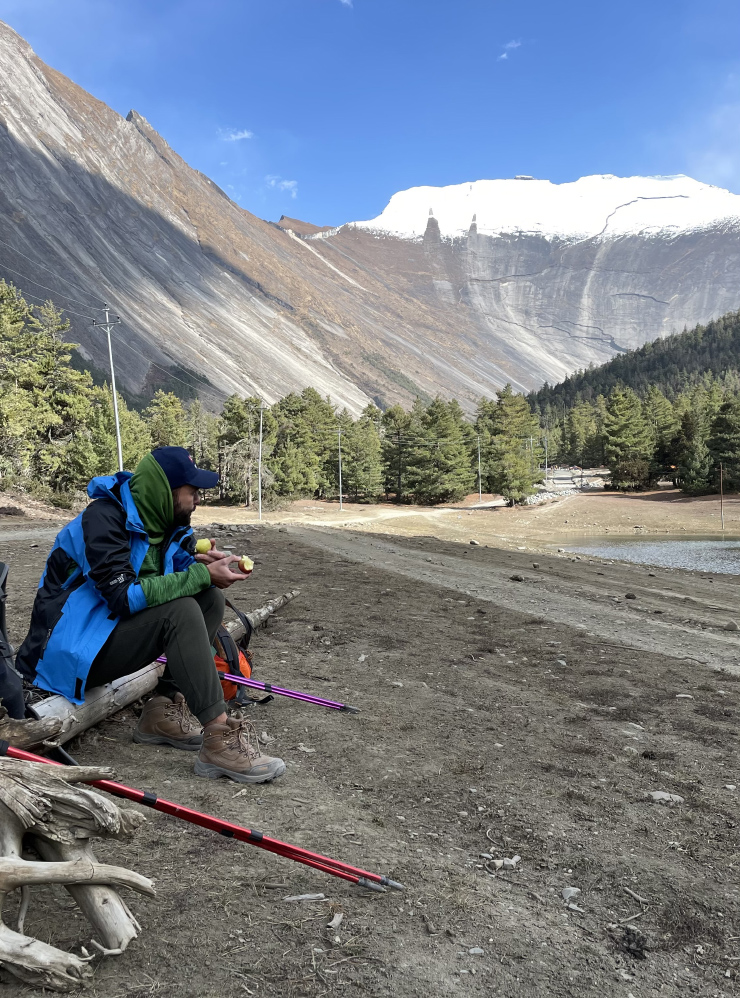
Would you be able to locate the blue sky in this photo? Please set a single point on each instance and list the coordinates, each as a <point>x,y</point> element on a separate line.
<point>322,109</point>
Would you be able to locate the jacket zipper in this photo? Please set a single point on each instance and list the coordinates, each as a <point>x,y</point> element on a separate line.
<point>49,632</point>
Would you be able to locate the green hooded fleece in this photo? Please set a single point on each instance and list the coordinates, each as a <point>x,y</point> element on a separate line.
<point>152,495</point>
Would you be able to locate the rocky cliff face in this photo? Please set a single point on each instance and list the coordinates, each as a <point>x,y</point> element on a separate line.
<point>97,208</point>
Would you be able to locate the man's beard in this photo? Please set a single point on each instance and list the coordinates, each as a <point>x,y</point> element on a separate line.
<point>182,516</point>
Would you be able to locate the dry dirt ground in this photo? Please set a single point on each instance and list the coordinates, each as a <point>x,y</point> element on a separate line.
<point>498,717</point>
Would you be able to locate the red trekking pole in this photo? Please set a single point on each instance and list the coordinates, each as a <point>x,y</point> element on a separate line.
<point>372,881</point>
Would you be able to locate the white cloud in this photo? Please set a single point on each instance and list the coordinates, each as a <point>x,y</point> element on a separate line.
<point>509,47</point>
<point>274,180</point>
<point>347,3</point>
<point>234,134</point>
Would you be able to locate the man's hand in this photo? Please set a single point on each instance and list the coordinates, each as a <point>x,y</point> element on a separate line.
<point>211,556</point>
<point>221,572</point>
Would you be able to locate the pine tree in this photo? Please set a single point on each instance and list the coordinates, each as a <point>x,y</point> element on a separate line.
<point>663,425</point>
<point>580,434</point>
<point>396,423</point>
<point>294,461</point>
<point>238,443</point>
<point>135,437</point>
<point>44,402</point>
<point>362,469</point>
<point>203,431</point>
<point>724,445</point>
<point>511,452</point>
<point>628,443</point>
<point>167,420</point>
<point>691,454</point>
<point>320,418</point>
<point>439,468</point>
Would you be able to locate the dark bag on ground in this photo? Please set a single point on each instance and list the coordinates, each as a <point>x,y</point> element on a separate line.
<point>11,687</point>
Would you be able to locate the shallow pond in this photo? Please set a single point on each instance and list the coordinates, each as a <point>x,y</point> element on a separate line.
<point>702,554</point>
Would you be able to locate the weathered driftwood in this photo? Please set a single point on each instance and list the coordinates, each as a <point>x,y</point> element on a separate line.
<point>102,701</point>
<point>43,809</point>
<point>28,732</point>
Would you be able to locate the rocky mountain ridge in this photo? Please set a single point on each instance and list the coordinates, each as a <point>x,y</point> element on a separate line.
<point>97,208</point>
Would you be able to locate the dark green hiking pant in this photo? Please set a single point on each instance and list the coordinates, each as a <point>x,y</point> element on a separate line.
<point>183,630</point>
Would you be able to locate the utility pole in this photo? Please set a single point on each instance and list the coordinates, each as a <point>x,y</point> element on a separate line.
<point>722,496</point>
<point>545,458</point>
<point>106,324</point>
<point>341,506</point>
<point>480,486</point>
<point>259,463</point>
<point>398,488</point>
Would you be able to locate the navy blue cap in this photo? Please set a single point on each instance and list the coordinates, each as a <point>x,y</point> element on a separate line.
<point>180,469</point>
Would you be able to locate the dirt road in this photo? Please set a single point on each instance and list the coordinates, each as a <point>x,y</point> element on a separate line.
<point>650,609</point>
<point>498,718</point>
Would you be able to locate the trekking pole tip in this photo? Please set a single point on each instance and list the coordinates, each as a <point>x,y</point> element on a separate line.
<point>349,710</point>
<point>370,885</point>
<point>387,882</point>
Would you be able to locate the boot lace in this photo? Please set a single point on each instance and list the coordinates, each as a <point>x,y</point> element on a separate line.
<point>243,737</point>
<point>178,711</point>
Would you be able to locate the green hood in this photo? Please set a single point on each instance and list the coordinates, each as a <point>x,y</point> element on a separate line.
<point>152,495</point>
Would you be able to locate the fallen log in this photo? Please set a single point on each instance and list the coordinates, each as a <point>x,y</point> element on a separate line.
<point>102,701</point>
<point>27,732</point>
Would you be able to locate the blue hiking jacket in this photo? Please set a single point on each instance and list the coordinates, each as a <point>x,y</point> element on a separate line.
<point>89,584</point>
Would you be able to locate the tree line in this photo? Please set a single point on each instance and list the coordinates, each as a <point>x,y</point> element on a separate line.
<point>57,431</point>
<point>689,440</point>
<point>668,410</point>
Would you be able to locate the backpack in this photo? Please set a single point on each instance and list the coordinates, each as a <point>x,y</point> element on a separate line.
<point>235,658</point>
<point>11,686</point>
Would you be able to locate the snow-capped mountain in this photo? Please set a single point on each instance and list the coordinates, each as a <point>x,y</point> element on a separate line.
<point>604,206</point>
<point>506,280</point>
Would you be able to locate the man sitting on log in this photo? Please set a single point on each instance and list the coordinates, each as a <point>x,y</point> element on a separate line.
<point>123,586</point>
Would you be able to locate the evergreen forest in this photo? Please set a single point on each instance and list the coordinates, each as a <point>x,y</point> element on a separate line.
<point>57,428</point>
<point>669,410</point>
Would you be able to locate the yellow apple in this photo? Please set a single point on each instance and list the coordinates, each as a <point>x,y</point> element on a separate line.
<point>203,546</point>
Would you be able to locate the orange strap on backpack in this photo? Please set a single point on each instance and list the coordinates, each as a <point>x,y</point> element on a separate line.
<point>234,657</point>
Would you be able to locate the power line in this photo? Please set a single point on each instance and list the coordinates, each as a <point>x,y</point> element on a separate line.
<point>44,286</point>
<point>201,378</point>
<point>62,308</point>
<point>207,389</point>
<point>221,394</point>
<point>70,284</point>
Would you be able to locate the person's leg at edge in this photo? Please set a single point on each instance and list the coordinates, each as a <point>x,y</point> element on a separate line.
<point>183,630</point>
<point>212,603</point>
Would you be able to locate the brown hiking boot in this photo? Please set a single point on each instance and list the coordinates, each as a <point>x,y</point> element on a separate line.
<point>169,722</point>
<point>232,750</point>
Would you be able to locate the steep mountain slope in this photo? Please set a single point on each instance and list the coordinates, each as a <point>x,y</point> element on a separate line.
<point>96,207</point>
<point>556,277</point>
